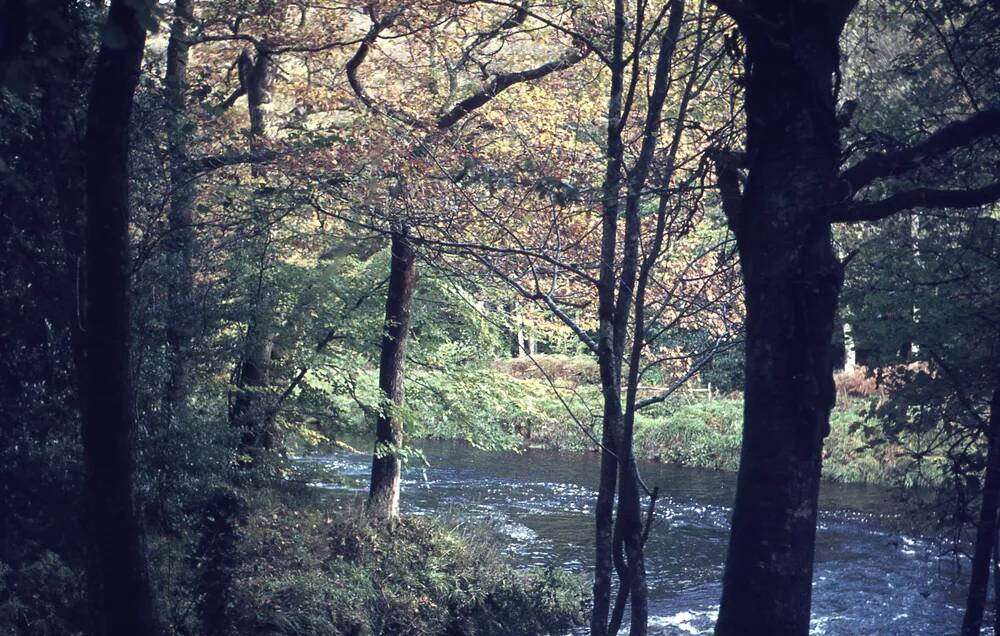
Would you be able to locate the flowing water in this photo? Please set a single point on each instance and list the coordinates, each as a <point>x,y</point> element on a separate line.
<point>869,579</point>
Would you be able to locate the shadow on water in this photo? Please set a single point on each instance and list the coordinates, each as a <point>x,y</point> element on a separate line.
<point>869,579</point>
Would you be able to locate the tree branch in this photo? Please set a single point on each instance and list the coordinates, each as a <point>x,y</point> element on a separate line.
<point>891,164</point>
<point>716,348</point>
<point>501,82</point>
<point>209,163</point>
<point>917,198</point>
<point>727,175</point>
<point>377,27</point>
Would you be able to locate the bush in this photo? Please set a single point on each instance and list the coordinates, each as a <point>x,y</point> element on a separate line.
<point>703,434</point>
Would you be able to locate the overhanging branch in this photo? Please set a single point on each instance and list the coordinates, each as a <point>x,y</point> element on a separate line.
<point>892,164</point>
<point>917,198</point>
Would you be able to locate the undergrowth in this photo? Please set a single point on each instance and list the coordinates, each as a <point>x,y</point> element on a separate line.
<point>309,573</point>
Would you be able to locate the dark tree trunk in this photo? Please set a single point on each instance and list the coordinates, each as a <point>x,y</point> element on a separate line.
<point>180,236</point>
<point>619,545</point>
<point>610,370</point>
<point>996,580</point>
<point>118,579</point>
<point>604,521</point>
<point>383,496</point>
<point>986,531</point>
<point>792,280</point>
<point>251,413</point>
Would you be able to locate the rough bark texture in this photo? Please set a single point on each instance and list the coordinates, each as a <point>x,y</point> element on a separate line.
<point>118,580</point>
<point>986,530</point>
<point>383,495</point>
<point>792,280</point>
<point>180,238</point>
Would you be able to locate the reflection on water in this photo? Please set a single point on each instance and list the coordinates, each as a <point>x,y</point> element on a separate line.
<point>868,580</point>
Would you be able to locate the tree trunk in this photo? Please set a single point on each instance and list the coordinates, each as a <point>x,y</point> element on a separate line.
<point>251,413</point>
<point>180,234</point>
<point>792,280</point>
<point>118,580</point>
<point>383,496</point>
<point>986,531</point>
<point>604,522</point>
<point>517,342</point>
<point>996,580</point>
<point>610,378</point>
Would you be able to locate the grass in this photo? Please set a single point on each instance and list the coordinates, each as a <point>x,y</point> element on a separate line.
<point>313,573</point>
<point>707,434</point>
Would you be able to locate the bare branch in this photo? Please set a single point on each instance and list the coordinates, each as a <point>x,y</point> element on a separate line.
<point>501,82</point>
<point>917,198</point>
<point>716,348</point>
<point>892,164</point>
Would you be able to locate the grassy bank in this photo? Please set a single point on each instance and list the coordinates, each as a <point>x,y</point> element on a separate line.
<point>281,563</point>
<point>316,574</point>
<point>707,434</point>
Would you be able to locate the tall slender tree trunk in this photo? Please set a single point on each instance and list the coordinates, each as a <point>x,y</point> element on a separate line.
<point>180,234</point>
<point>610,379</point>
<point>251,413</point>
<point>383,495</point>
<point>792,280</point>
<point>604,522</point>
<point>118,580</point>
<point>986,530</point>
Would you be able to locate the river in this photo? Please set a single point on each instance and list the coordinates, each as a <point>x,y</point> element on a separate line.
<point>869,579</point>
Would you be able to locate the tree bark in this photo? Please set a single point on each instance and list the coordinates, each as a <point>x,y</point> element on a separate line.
<point>986,530</point>
<point>118,580</point>
<point>251,413</point>
<point>610,380</point>
<point>792,280</point>
<point>383,495</point>
<point>180,234</point>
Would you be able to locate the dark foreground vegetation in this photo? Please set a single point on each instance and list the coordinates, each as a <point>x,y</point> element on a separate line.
<point>284,563</point>
<point>234,230</point>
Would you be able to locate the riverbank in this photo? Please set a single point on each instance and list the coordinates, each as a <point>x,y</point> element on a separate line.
<point>517,409</point>
<point>707,434</point>
<point>290,563</point>
<point>553,402</point>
